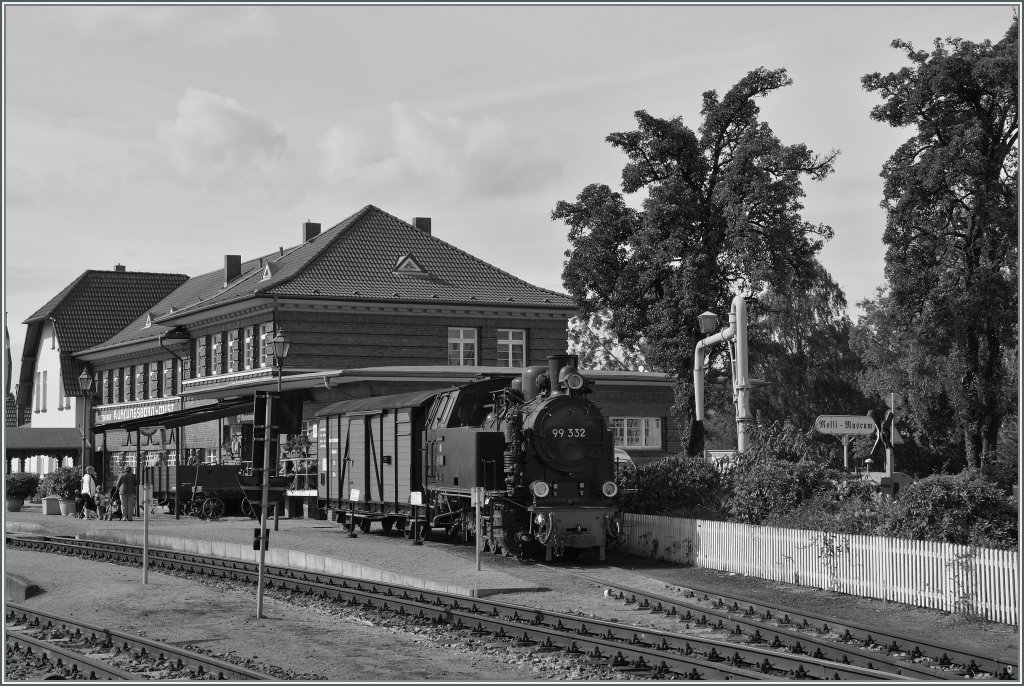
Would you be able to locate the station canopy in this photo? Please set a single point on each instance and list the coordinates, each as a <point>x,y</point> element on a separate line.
<point>380,402</point>
<point>170,420</point>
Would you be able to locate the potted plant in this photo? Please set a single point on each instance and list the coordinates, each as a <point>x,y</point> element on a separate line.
<point>18,487</point>
<point>64,483</point>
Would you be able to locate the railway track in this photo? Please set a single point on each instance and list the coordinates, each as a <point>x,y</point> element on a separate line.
<point>73,650</point>
<point>710,648</point>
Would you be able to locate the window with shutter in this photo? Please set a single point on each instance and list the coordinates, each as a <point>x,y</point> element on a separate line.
<point>141,377</point>
<point>155,377</point>
<point>233,351</point>
<point>216,365</point>
<point>106,387</point>
<point>128,385</point>
<point>267,344</point>
<point>116,375</point>
<point>167,388</point>
<point>250,338</point>
<point>202,348</point>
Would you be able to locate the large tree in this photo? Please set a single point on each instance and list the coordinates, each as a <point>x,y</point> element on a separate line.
<point>952,233</point>
<point>800,344</point>
<point>721,216</point>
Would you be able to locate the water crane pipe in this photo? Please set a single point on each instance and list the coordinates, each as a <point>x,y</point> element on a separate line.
<point>736,331</point>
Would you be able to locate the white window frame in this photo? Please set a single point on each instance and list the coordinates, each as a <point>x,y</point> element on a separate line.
<point>645,434</point>
<point>463,337</point>
<point>507,343</point>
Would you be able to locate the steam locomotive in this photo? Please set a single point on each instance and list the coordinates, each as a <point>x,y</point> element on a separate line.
<point>541,452</point>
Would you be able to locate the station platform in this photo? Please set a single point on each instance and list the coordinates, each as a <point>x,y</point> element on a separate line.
<point>315,545</point>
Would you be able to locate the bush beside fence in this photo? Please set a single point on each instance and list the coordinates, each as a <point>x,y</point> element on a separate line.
<point>977,582</point>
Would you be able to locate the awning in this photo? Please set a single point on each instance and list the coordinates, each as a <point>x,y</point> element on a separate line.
<point>42,438</point>
<point>381,402</point>
<point>170,420</point>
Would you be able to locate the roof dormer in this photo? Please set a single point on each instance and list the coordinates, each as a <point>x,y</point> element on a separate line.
<point>407,264</point>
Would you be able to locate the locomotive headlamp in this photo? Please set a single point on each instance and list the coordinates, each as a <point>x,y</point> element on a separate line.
<point>610,489</point>
<point>540,489</point>
<point>572,379</point>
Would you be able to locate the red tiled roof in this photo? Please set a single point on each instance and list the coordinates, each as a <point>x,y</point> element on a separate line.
<point>94,307</point>
<point>356,260</point>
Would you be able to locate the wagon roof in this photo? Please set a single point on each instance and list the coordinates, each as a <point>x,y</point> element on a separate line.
<point>381,402</point>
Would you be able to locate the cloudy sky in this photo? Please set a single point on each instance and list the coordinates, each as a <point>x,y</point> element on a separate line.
<point>164,137</point>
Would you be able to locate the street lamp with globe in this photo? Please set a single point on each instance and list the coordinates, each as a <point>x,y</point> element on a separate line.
<point>85,382</point>
<point>281,346</point>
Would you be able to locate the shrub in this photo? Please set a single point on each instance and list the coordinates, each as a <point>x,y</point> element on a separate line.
<point>65,482</point>
<point>677,485</point>
<point>21,485</point>
<point>963,508</point>
<point>853,506</point>
<point>782,468</point>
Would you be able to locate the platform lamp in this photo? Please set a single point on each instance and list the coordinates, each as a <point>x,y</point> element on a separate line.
<point>85,382</point>
<point>281,345</point>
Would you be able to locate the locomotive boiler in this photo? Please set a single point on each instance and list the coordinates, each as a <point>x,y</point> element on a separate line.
<point>538,447</point>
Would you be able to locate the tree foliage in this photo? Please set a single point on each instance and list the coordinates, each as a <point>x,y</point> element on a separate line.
<point>799,342</point>
<point>952,238</point>
<point>592,339</point>
<point>721,216</point>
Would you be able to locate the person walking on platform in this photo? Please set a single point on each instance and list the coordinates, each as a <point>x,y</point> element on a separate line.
<point>127,487</point>
<point>88,492</point>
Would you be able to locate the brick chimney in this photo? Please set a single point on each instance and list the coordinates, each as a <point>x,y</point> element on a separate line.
<point>422,223</point>
<point>232,268</point>
<point>310,230</point>
<point>118,267</point>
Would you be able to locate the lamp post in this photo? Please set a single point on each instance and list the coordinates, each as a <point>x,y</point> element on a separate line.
<point>85,382</point>
<point>281,345</point>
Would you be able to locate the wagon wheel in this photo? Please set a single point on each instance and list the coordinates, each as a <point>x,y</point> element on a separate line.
<point>249,509</point>
<point>364,526</point>
<point>213,508</point>
<point>196,507</point>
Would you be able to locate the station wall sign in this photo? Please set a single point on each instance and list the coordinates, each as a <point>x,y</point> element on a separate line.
<point>845,424</point>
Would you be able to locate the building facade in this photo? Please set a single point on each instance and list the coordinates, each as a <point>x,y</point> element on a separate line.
<point>89,310</point>
<point>372,306</point>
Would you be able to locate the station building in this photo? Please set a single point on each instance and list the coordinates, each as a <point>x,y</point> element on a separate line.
<point>50,414</point>
<point>372,306</point>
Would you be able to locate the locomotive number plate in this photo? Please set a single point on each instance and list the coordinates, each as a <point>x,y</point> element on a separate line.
<point>569,433</point>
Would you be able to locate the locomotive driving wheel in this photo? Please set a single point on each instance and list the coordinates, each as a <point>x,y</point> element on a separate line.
<point>213,508</point>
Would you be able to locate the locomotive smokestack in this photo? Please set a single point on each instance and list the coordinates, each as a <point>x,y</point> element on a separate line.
<point>555,364</point>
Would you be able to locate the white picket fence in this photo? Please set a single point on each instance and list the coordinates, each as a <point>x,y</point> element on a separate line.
<point>979,582</point>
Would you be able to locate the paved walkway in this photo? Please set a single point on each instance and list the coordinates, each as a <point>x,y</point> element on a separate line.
<point>316,545</point>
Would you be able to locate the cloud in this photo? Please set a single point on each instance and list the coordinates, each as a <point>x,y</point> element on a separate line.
<point>194,25</point>
<point>215,138</point>
<point>451,156</point>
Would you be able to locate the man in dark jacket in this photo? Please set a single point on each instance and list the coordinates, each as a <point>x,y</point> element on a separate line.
<point>127,488</point>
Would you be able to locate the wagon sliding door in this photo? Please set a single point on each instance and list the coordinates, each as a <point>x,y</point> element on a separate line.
<point>353,433</point>
<point>380,451</point>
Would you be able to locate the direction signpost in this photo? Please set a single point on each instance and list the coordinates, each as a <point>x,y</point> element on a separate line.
<point>845,426</point>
